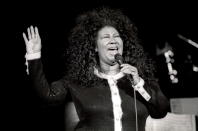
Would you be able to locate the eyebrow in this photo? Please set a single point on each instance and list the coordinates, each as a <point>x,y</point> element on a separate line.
<point>105,34</point>
<point>116,33</point>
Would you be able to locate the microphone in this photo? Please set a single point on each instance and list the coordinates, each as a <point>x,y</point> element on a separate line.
<point>118,59</point>
<point>188,40</point>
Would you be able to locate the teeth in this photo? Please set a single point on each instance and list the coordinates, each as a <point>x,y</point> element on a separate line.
<point>113,49</point>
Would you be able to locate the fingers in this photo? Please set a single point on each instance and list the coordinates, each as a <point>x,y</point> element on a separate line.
<point>37,33</point>
<point>127,66</point>
<point>32,33</point>
<point>25,38</point>
<point>128,69</point>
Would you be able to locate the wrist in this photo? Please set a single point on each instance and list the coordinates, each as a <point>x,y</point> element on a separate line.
<point>32,56</point>
<point>139,84</point>
<point>30,51</point>
<point>136,80</point>
<point>139,87</point>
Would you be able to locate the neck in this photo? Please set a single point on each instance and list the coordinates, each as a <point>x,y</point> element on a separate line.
<point>109,69</point>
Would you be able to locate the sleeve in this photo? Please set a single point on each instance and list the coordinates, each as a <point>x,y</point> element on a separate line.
<point>50,92</point>
<point>158,105</point>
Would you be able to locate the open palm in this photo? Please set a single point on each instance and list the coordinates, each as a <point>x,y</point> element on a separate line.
<point>33,41</point>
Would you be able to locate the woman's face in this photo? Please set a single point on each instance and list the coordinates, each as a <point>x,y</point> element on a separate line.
<point>108,44</point>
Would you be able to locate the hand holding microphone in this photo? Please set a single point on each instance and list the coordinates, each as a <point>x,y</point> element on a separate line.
<point>131,71</point>
<point>132,74</point>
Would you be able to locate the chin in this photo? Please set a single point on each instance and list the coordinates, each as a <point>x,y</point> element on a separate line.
<point>112,62</point>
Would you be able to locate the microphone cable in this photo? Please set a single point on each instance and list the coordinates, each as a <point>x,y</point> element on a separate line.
<point>136,117</point>
<point>135,105</point>
<point>119,60</point>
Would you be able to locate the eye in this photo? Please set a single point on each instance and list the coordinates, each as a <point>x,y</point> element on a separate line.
<point>106,36</point>
<point>117,35</point>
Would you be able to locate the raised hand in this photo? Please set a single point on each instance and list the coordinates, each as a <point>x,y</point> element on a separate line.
<point>33,41</point>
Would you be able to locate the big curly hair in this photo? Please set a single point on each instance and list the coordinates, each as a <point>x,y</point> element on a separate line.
<point>81,56</point>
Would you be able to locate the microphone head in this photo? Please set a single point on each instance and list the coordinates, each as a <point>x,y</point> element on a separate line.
<point>118,58</point>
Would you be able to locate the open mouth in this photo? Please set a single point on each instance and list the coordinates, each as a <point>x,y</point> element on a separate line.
<point>113,49</point>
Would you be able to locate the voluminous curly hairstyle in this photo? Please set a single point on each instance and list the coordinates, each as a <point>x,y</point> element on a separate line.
<point>81,56</point>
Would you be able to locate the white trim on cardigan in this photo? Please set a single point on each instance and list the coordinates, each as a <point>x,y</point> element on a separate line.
<point>115,97</point>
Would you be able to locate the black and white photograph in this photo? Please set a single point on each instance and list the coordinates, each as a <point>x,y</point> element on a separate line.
<point>100,66</point>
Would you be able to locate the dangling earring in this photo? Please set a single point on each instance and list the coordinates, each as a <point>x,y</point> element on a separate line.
<point>96,50</point>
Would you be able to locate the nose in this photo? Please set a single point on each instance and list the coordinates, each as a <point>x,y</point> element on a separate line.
<point>112,40</point>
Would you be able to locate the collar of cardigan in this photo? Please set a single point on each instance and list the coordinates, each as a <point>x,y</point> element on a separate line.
<point>105,76</point>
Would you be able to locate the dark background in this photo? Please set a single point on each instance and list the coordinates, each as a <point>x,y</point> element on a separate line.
<point>158,22</point>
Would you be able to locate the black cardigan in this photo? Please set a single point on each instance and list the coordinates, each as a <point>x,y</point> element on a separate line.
<point>94,105</point>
